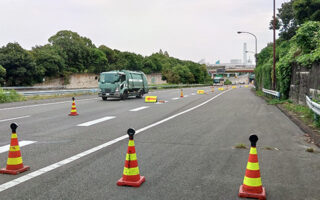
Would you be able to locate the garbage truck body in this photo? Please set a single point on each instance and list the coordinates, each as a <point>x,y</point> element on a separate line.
<point>122,84</point>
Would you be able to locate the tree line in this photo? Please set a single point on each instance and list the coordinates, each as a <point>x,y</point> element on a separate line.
<point>298,22</point>
<point>67,52</point>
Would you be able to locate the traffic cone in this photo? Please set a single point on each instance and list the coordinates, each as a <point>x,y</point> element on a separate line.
<point>14,163</point>
<point>212,89</point>
<point>73,108</point>
<point>252,185</point>
<point>181,93</point>
<point>131,175</point>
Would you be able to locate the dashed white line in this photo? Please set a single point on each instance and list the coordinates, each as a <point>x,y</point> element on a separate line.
<point>176,98</point>
<point>90,123</point>
<point>21,144</point>
<point>138,109</point>
<point>41,171</point>
<point>44,104</point>
<point>5,120</point>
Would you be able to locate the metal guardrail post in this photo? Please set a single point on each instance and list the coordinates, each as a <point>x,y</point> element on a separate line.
<point>271,92</point>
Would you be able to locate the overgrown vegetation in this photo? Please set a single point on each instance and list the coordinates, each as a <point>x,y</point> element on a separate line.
<point>304,113</point>
<point>299,44</point>
<point>67,52</point>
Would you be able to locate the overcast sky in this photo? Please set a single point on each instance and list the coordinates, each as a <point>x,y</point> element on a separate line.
<point>187,29</point>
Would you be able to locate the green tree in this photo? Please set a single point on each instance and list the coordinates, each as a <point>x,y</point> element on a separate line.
<point>20,66</point>
<point>98,62</point>
<point>306,10</point>
<point>48,58</point>
<point>2,75</point>
<point>75,50</point>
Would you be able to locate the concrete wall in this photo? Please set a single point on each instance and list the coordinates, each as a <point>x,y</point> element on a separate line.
<point>75,81</point>
<point>155,78</point>
<point>304,81</point>
<point>90,81</point>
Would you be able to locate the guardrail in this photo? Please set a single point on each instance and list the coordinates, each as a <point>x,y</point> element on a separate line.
<point>44,90</point>
<point>271,92</point>
<point>177,86</point>
<point>53,92</point>
<point>315,107</point>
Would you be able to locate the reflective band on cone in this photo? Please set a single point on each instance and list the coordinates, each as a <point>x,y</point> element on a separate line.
<point>14,163</point>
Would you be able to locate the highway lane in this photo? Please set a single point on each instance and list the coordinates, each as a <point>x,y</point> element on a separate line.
<point>188,157</point>
<point>58,136</point>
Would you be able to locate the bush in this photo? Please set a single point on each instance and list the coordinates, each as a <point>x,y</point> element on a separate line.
<point>227,82</point>
<point>10,96</point>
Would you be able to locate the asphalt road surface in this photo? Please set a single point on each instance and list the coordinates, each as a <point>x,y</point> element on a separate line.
<point>185,148</point>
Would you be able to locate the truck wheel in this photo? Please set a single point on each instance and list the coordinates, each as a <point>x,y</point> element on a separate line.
<point>140,94</point>
<point>124,95</point>
<point>104,98</point>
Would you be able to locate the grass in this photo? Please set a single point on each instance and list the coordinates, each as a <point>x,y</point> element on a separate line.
<point>310,150</point>
<point>240,146</point>
<point>303,112</point>
<point>7,96</point>
<point>268,148</point>
<point>41,97</point>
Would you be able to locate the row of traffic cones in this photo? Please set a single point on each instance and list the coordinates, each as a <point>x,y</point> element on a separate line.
<point>251,187</point>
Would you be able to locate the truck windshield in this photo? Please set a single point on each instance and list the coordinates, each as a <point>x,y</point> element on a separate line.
<point>109,78</point>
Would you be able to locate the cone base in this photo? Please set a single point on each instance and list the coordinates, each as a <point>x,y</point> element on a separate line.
<point>260,196</point>
<point>121,182</point>
<point>73,114</point>
<point>14,172</point>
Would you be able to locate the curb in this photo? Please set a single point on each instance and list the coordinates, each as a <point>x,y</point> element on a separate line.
<point>305,128</point>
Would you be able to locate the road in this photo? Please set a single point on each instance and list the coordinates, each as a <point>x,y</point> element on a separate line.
<point>185,148</point>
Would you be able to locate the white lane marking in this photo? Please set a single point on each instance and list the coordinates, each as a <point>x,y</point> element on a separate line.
<point>140,108</point>
<point>44,104</point>
<point>41,171</point>
<point>175,98</point>
<point>186,95</point>
<point>193,94</point>
<point>21,144</point>
<point>4,120</point>
<point>96,121</point>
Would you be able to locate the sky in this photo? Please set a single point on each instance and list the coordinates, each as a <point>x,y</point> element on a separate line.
<point>186,29</point>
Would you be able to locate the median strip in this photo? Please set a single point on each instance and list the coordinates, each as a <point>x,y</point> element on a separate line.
<point>90,123</point>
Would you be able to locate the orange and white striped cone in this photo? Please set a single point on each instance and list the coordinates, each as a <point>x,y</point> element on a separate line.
<point>14,163</point>
<point>73,108</point>
<point>181,93</point>
<point>252,185</point>
<point>131,175</point>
